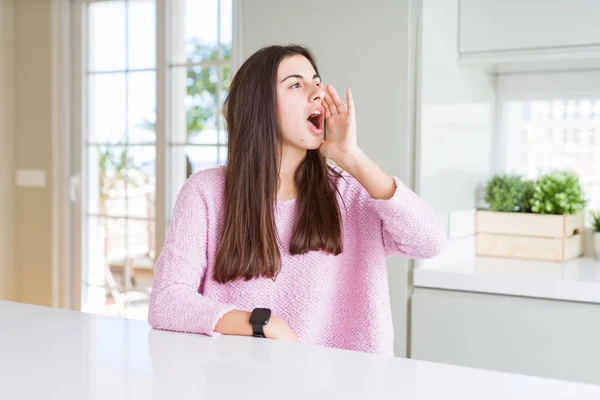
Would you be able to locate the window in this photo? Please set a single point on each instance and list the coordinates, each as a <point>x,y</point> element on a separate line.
<point>139,148</point>
<point>558,128</point>
<point>200,74</point>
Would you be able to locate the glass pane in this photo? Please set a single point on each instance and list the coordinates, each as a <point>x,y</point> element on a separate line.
<point>141,183</point>
<point>107,108</point>
<point>96,254</point>
<point>94,296</point>
<point>201,157</point>
<point>193,105</point>
<point>142,34</point>
<point>105,251</point>
<point>557,110</point>
<point>107,36</point>
<point>140,244</point>
<point>185,161</point>
<point>137,269</point>
<point>227,76</point>
<point>141,106</point>
<point>226,19</point>
<point>207,136</point>
<point>195,39</point>
<point>113,249</point>
<point>555,135</point>
<point>106,180</point>
<point>115,241</point>
<point>223,135</point>
<point>222,155</point>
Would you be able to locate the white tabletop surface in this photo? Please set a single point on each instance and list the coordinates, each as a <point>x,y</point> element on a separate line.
<point>64,355</point>
<point>575,280</point>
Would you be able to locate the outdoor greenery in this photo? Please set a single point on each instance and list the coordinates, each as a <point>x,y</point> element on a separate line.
<point>202,86</point>
<point>595,220</point>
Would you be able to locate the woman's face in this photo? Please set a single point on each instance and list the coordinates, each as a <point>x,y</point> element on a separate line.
<point>299,96</point>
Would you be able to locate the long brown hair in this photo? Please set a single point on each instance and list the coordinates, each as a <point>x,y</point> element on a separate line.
<point>249,241</point>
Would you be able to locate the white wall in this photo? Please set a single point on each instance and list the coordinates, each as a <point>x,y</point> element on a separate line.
<point>456,122</point>
<point>33,149</point>
<point>7,193</point>
<point>369,47</point>
<point>32,130</point>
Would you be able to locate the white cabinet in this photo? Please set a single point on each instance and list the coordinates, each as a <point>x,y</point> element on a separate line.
<point>548,338</point>
<point>516,25</point>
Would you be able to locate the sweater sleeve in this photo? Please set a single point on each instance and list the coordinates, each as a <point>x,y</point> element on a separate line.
<point>175,302</point>
<point>409,225</point>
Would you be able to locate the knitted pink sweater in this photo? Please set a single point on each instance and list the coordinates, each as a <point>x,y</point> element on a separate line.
<point>338,301</point>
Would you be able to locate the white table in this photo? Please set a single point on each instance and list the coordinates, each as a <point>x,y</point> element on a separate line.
<point>63,355</point>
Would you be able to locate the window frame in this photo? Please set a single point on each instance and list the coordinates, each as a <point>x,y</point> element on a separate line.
<point>77,279</point>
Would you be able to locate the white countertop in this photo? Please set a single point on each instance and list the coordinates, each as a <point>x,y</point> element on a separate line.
<point>64,355</point>
<point>575,280</point>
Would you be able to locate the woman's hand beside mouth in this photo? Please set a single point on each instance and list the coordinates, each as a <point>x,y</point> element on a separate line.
<point>340,120</point>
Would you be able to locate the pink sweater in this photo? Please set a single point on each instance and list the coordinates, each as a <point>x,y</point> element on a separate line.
<point>337,301</point>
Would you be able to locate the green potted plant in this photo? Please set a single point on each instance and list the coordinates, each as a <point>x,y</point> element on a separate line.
<point>558,193</point>
<point>506,193</point>
<point>596,233</point>
<point>538,220</point>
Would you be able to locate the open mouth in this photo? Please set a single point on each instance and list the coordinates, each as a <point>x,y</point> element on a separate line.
<point>316,120</point>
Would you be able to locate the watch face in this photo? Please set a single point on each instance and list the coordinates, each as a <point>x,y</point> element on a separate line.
<point>260,316</point>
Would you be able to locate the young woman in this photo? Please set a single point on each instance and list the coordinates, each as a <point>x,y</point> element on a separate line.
<point>279,244</point>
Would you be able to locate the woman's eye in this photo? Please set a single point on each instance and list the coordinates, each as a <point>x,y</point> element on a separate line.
<point>295,86</point>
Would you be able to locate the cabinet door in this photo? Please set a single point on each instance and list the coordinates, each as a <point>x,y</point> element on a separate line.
<point>504,25</point>
<point>547,338</point>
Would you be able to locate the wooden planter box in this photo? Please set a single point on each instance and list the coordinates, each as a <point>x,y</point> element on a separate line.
<point>529,236</point>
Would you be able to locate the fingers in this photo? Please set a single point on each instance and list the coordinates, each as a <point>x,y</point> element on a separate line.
<point>336,103</point>
<point>350,101</point>
<point>331,105</point>
<point>327,107</point>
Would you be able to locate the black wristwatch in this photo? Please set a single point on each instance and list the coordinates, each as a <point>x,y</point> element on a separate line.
<point>258,319</point>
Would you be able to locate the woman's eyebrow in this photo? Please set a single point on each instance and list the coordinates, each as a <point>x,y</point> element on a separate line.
<point>315,76</point>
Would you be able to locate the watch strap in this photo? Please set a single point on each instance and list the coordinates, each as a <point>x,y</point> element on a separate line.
<point>258,331</point>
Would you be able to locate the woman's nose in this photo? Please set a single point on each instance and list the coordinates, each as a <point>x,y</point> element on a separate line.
<point>318,93</point>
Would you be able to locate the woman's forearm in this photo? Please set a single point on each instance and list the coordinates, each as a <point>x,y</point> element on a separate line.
<point>238,323</point>
<point>235,322</point>
<point>380,185</point>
